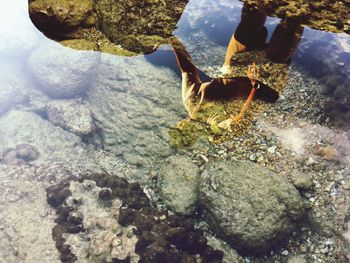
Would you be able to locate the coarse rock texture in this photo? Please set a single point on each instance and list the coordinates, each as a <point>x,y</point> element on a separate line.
<point>330,16</point>
<point>137,26</point>
<point>52,143</point>
<point>26,218</point>
<point>125,217</point>
<point>249,206</point>
<point>13,86</point>
<point>70,115</point>
<point>132,108</point>
<point>178,183</point>
<point>302,181</point>
<point>62,72</point>
<point>61,15</point>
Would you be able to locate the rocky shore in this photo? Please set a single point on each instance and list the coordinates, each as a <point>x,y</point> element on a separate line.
<point>91,167</point>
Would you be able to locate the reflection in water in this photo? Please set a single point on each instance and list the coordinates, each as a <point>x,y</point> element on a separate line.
<point>195,88</point>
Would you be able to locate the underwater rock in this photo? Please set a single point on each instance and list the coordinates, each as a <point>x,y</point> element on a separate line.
<point>178,183</point>
<point>26,218</point>
<point>61,15</point>
<point>70,115</point>
<point>248,206</point>
<point>121,228</point>
<point>53,143</point>
<point>22,154</point>
<point>302,181</point>
<point>63,72</point>
<point>133,104</point>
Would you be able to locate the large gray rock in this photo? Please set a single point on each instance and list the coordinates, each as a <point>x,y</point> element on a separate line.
<point>134,104</point>
<point>249,206</point>
<point>178,179</point>
<point>63,72</point>
<point>52,143</point>
<point>71,115</point>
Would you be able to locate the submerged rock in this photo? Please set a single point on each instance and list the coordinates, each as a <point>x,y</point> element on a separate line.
<point>302,181</point>
<point>248,206</point>
<point>179,180</point>
<point>22,154</point>
<point>63,72</point>
<point>133,104</point>
<point>120,226</point>
<point>53,143</point>
<point>71,115</point>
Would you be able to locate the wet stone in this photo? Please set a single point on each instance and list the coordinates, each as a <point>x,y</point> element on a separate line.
<point>178,183</point>
<point>227,190</point>
<point>70,115</point>
<point>302,181</point>
<point>63,72</point>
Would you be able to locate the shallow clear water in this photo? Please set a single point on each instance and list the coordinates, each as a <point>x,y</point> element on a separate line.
<point>64,111</point>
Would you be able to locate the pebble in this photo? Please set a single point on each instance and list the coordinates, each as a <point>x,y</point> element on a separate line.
<point>272,149</point>
<point>252,157</point>
<point>303,248</point>
<point>285,253</point>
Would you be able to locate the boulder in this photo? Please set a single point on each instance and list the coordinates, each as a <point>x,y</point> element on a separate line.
<point>178,179</point>
<point>60,14</point>
<point>133,109</point>
<point>51,142</point>
<point>248,206</point>
<point>62,72</point>
<point>70,115</point>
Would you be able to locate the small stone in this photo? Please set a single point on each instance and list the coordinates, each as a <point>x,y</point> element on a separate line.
<point>346,186</point>
<point>252,157</point>
<point>301,180</point>
<point>272,149</point>
<point>285,253</point>
<point>303,248</point>
<point>297,259</point>
<point>327,153</point>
